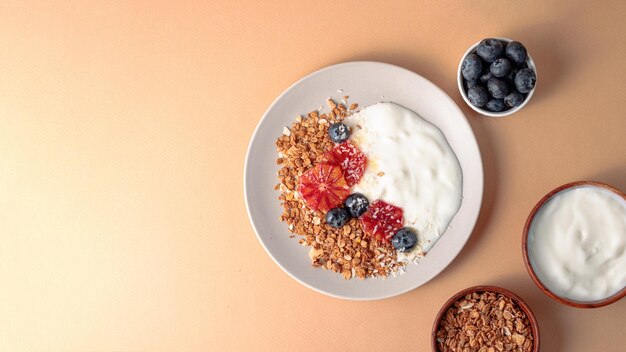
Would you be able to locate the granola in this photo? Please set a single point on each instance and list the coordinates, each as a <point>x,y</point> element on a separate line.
<point>484,322</point>
<point>346,250</point>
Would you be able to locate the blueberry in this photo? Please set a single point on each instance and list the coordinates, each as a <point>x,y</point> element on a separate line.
<point>495,105</point>
<point>404,240</point>
<point>478,96</point>
<point>490,49</point>
<point>337,217</point>
<point>500,68</point>
<point>514,99</point>
<point>510,78</point>
<point>470,84</point>
<point>497,88</point>
<point>511,75</point>
<point>471,68</point>
<point>356,204</point>
<point>525,80</point>
<point>485,77</point>
<point>510,85</point>
<point>338,132</point>
<point>516,52</point>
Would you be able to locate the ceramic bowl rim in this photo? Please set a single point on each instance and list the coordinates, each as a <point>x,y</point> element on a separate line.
<point>526,232</point>
<point>534,325</point>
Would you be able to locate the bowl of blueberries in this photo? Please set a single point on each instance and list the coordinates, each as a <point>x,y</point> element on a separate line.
<point>497,77</point>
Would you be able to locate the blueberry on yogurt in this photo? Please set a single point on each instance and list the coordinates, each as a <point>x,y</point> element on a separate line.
<point>404,240</point>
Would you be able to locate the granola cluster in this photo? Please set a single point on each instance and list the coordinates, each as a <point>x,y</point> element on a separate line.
<point>484,322</point>
<point>346,250</point>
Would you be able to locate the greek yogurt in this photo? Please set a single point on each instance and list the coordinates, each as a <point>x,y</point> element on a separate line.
<point>410,165</point>
<point>577,243</point>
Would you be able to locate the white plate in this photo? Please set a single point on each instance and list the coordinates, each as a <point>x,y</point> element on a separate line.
<point>366,83</point>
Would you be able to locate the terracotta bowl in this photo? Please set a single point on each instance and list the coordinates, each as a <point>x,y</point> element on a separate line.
<point>534,327</point>
<point>531,271</point>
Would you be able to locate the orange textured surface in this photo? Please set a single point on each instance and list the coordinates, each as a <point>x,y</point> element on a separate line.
<point>123,130</point>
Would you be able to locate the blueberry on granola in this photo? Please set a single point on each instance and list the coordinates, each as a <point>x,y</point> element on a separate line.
<point>337,217</point>
<point>338,132</point>
<point>356,204</point>
<point>404,240</point>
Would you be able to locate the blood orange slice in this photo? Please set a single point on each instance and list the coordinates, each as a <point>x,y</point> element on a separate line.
<point>351,160</point>
<point>382,220</point>
<point>323,187</point>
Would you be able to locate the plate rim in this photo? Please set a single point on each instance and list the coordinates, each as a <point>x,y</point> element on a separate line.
<point>254,136</point>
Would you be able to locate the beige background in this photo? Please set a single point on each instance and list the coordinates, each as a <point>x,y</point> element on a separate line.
<point>123,130</point>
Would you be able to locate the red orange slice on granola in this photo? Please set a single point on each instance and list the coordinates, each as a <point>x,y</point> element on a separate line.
<point>382,220</point>
<point>351,160</point>
<point>323,187</point>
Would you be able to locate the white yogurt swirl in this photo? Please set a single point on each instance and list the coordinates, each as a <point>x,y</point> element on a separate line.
<point>410,165</point>
<point>577,244</point>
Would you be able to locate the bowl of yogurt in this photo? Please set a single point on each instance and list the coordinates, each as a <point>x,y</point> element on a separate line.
<point>574,244</point>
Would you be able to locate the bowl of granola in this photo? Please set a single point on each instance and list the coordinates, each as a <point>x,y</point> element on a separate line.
<point>485,319</point>
<point>363,180</point>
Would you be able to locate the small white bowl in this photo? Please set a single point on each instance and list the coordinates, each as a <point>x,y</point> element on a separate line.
<point>460,79</point>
